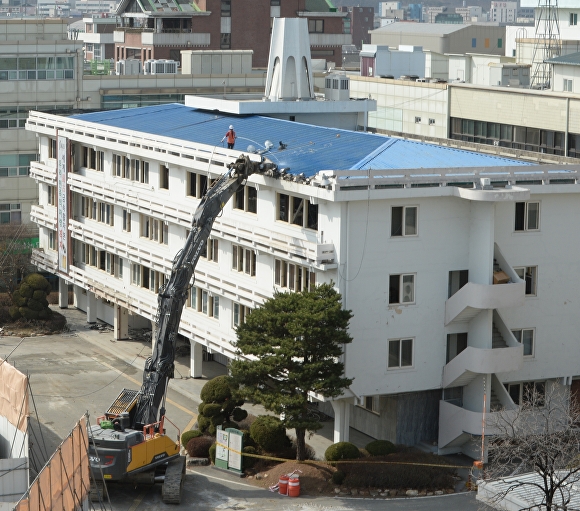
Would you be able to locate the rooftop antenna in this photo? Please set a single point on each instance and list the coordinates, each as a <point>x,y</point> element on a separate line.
<point>547,43</point>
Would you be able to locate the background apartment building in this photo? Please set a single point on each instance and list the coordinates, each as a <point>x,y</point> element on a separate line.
<point>413,248</point>
<point>160,30</point>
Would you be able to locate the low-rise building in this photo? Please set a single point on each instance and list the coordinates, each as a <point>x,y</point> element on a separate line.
<point>447,258</point>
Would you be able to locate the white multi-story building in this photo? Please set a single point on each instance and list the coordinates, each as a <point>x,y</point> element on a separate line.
<point>413,236</point>
<point>503,12</point>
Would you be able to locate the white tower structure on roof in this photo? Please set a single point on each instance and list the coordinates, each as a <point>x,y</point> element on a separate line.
<point>289,68</point>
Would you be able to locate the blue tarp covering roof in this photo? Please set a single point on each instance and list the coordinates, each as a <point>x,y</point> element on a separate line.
<point>308,148</point>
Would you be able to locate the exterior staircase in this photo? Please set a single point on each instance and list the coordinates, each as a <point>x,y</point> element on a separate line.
<point>497,340</point>
<point>494,402</point>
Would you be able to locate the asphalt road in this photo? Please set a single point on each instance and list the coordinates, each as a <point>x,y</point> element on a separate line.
<point>70,376</point>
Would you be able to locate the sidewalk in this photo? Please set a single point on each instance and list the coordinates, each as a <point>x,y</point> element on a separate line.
<point>135,352</point>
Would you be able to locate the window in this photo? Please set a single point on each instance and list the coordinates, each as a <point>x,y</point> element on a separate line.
<point>474,42</point>
<point>244,260</point>
<point>106,213</point>
<point>417,120</point>
<point>404,221</point>
<point>52,148</point>
<point>401,289</point>
<point>202,301</point>
<point>52,195</point>
<point>246,199</point>
<point>525,336</point>
<point>457,279</point>
<point>37,68</point>
<point>573,19</point>
<point>10,214</point>
<point>121,166</point>
<point>529,274</point>
<point>135,274</point>
<point>500,43</point>
<point>534,391</point>
<point>567,85</point>
<point>193,301</point>
<point>196,185</point>
<point>126,220</point>
<point>371,403</point>
<point>486,42</point>
<point>210,251</point>
<point>216,307</point>
<point>164,177</point>
<point>225,41</point>
<point>274,8</point>
<point>89,157</point>
<point>240,312</point>
<point>400,353</point>
<point>316,26</point>
<point>456,343</point>
<point>154,229</point>
<point>293,277</point>
<point>226,8</point>
<point>431,122</point>
<point>52,239</point>
<point>527,217</point>
<point>297,211</point>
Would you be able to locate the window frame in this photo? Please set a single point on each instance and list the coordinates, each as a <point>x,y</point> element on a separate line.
<point>534,276</point>
<point>403,226</point>
<point>400,288</point>
<point>518,333</point>
<point>288,212</point>
<point>399,356</point>
<point>525,219</point>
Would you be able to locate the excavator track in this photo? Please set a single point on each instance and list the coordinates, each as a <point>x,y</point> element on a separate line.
<point>98,491</point>
<point>173,483</point>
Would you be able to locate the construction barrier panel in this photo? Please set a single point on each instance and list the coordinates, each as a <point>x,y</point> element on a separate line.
<point>63,484</point>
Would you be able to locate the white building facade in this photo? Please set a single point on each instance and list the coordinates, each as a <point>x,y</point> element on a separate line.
<point>414,252</point>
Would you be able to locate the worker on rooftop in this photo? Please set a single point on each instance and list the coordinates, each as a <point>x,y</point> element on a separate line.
<point>231,137</point>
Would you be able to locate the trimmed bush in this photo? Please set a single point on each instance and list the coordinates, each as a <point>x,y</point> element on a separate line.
<point>342,451</point>
<point>249,461</point>
<point>39,295</point>
<point>219,406</point>
<point>28,313</point>
<point>239,414</point>
<point>216,390</point>
<point>212,450</point>
<point>211,409</point>
<point>269,433</point>
<point>14,312</point>
<point>380,448</point>
<point>17,299</point>
<point>30,298</point>
<point>199,447</point>
<point>25,290</point>
<point>338,477</point>
<point>186,436</point>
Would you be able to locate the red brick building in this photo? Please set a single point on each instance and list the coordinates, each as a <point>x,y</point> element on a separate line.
<point>361,20</point>
<point>160,29</point>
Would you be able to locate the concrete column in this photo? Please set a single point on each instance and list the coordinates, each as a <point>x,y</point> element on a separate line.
<point>341,420</point>
<point>196,359</point>
<point>120,323</point>
<point>62,294</point>
<point>91,307</point>
<point>77,290</point>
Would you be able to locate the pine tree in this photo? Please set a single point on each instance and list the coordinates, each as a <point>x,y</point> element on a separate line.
<point>293,345</point>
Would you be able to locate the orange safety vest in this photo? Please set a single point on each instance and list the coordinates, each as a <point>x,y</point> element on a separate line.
<point>231,136</point>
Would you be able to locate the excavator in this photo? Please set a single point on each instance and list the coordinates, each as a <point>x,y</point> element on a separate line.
<point>131,442</point>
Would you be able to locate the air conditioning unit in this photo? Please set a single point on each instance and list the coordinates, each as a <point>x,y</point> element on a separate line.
<point>408,293</point>
<point>160,66</point>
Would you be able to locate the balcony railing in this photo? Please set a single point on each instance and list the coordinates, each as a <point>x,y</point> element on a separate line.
<point>458,425</point>
<point>473,361</point>
<point>472,298</point>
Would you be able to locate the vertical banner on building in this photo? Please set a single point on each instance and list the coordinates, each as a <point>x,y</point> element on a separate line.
<point>63,159</point>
